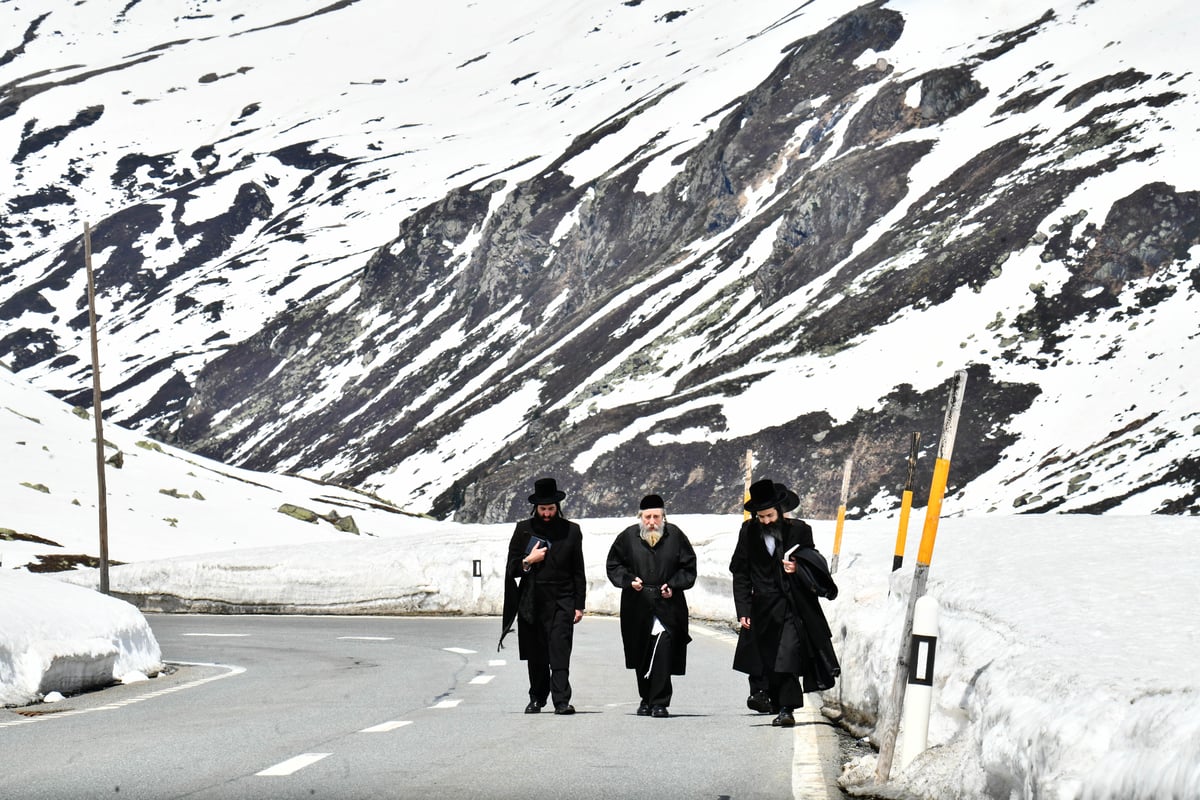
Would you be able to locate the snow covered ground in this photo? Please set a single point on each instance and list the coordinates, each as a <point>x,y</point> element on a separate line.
<point>1064,667</point>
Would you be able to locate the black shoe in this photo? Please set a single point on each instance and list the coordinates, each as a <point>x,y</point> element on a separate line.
<point>643,709</point>
<point>660,712</point>
<point>785,719</point>
<point>760,702</point>
<point>564,709</point>
<point>534,707</point>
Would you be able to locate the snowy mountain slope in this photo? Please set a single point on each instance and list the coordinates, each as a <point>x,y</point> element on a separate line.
<point>161,501</point>
<point>633,241</point>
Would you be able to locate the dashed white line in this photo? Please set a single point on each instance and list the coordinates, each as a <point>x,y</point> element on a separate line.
<point>497,662</point>
<point>384,727</point>
<point>460,650</point>
<point>293,764</point>
<point>218,635</point>
<point>446,704</point>
<point>482,679</point>
<point>367,638</point>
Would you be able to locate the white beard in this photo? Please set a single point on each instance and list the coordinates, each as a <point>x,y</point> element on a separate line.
<point>650,536</point>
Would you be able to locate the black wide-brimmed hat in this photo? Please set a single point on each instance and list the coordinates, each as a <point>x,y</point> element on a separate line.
<point>791,500</point>
<point>764,495</point>
<point>545,492</point>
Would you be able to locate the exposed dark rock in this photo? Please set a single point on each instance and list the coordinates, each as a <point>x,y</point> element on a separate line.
<point>33,141</point>
<point>805,205</point>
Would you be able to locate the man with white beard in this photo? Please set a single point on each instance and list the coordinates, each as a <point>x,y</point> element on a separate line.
<point>653,563</point>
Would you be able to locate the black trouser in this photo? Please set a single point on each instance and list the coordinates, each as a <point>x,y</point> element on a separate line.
<point>783,687</point>
<point>654,673</point>
<point>785,690</point>
<point>549,655</point>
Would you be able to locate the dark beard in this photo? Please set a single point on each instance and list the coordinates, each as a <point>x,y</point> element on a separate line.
<point>553,530</point>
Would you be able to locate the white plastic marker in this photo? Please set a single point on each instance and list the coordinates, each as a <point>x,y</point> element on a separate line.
<point>918,699</point>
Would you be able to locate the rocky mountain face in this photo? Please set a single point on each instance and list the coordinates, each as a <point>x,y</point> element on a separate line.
<point>796,267</point>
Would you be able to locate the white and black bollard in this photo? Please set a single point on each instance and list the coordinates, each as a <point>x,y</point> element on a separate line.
<point>918,699</point>
<point>476,579</point>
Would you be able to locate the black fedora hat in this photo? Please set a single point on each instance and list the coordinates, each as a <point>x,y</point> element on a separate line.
<point>791,500</point>
<point>545,492</point>
<point>764,495</point>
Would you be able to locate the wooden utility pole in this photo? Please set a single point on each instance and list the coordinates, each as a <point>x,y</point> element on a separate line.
<point>891,710</point>
<point>102,489</point>
<point>746,488</point>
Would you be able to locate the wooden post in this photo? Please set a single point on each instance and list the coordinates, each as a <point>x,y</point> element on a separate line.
<point>906,503</point>
<point>890,711</point>
<point>746,487</point>
<point>841,516</point>
<point>102,489</point>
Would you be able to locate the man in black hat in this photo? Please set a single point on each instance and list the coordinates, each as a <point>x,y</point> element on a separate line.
<point>777,577</point>
<point>544,592</point>
<point>760,696</point>
<point>652,563</point>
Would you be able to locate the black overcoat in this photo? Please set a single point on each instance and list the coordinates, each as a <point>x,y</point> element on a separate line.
<point>557,583</point>
<point>788,630</point>
<point>672,562</point>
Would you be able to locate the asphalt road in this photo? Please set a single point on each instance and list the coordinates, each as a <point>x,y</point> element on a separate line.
<point>398,707</point>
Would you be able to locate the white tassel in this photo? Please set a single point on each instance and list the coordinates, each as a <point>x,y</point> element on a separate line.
<point>656,631</point>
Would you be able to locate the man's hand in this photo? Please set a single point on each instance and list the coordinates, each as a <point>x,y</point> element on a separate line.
<point>536,554</point>
<point>636,585</point>
<point>578,615</point>
<point>666,592</point>
<point>745,623</point>
<point>789,566</point>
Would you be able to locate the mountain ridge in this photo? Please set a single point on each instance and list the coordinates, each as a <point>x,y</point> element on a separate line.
<point>796,269</point>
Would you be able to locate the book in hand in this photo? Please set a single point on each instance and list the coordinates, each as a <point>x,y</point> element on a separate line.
<point>788,554</point>
<point>536,542</point>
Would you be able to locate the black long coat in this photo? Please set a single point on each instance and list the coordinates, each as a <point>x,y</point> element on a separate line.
<point>672,562</point>
<point>799,641</point>
<point>556,584</point>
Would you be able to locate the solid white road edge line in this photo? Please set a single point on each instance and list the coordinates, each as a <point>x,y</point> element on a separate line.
<point>811,777</point>
<point>232,670</point>
<point>811,735</point>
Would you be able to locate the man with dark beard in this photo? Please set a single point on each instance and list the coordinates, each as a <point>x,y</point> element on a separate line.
<point>652,563</point>
<point>777,577</point>
<point>760,698</point>
<point>544,592</point>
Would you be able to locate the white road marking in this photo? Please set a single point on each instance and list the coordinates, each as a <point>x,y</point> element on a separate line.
<point>367,638</point>
<point>218,635</point>
<point>149,695</point>
<point>384,727</point>
<point>293,764</point>
<point>446,704</point>
<point>459,650</point>
<point>813,773</point>
<point>482,679</point>
<point>497,662</point>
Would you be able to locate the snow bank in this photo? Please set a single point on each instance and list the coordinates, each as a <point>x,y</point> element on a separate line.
<point>57,637</point>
